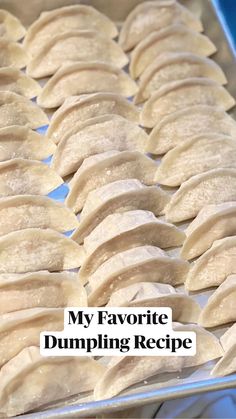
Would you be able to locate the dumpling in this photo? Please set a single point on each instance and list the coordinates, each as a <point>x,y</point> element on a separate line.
<point>220,308</point>
<point>40,289</point>
<point>13,80</point>
<point>65,19</point>
<point>152,16</point>
<point>213,187</point>
<point>173,38</point>
<point>172,66</point>
<point>122,231</point>
<point>133,266</point>
<point>227,364</point>
<point>34,249</point>
<point>75,110</point>
<point>104,168</point>
<point>203,153</point>
<point>51,379</point>
<point>184,124</point>
<point>12,54</point>
<point>83,78</point>
<point>149,294</point>
<point>18,110</point>
<point>23,177</point>
<point>33,211</point>
<point>129,370</point>
<point>10,27</point>
<point>213,267</point>
<point>175,95</point>
<point>213,222</point>
<point>97,135</point>
<point>67,47</point>
<point>119,196</point>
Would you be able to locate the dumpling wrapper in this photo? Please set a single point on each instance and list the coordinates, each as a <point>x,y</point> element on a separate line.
<point>13,80</point>
<point>213,222</point>
<point>173,38</point>
<point>84,78</point>
<point>213,267</point>
<point>41,289</point>
<point>18,110</point>
<point>151,16</point>
<point>227,364</point>
<point>51,379</point>
<point>187,123</point>
<point>213,187</point>
<point>97,135</point>
<point>129,370</point>
<point>78,109</point>
<point>66,19</point>
<point>220,308</point>
<point>175,95</point>
<point>203,153</point>
<point>12,54</point>
<point>171,66</point>
<point>10,27</point>
<point>24,177</point>
<point>104,168</point>
<point>148,294</point>
<point>34,249</point>
<point>67,47</point>
<point>33,211</point>
<point>123,231</point>
<point>119,196</point>
<point>139,264</point>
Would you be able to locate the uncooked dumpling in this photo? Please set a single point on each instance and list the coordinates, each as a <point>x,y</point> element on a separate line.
<point>227,364</point>
<point>34,249</point>
<point>173,38</point>
<point>213,187</point>
<point>13,80</point>
<point>10,27</point>
<point>119,196</point>
<point>67,47</point>
<point>187,123</point>
<point>104,168</point>
<point>94,136</point>
<point>175,95</point>
<point>12,54</point>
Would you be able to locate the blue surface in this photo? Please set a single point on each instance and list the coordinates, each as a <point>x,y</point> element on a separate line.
<point>227,13</point>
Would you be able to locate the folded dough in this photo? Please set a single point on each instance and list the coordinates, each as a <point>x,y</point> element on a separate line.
<point>12,54</point>
<point>104,168</point>
<point>187,123</point>
<point>200,190</point>
<point>175,95</point>
<point>173,66</point>
<point>97,135</point>
<point>13,80</point>
<point>79,108</point>
<point>119,196</point>
<point>40,289</point>
<point>10,27</point>
<point>227,364</point>
<point>173,38</point>
<point>66,47</point>
<point>34,249</point>
<point>51,379</point>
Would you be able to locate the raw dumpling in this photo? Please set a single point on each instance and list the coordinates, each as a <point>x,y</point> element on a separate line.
<point>40,289</point>
<point>119,196</point>
<point>173,38</point>
<point>213,222</point>
<point>10,27</point>
<point>187,123</point>
<point>34,249</point>
<point>175,95</point>
<point>51,379</point>
<point>140,264</point>
<point>213,187</point>
<point>67,47</point>
<point>32,211</point>
<point>83,78</point>
<point>172,66</point>
<point>77,109</point>
<point>152,16</point>
<point>18,110</point>
<point>104,168</point>
<point>220,308</point>
<point>23,177</point>
<point>94,136</point>
<point>122,231</point>
<point>12,54</point>
<point>203,153</point>
<point>227,364</point>
<point>15,81</point>
<point>213,267</point>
